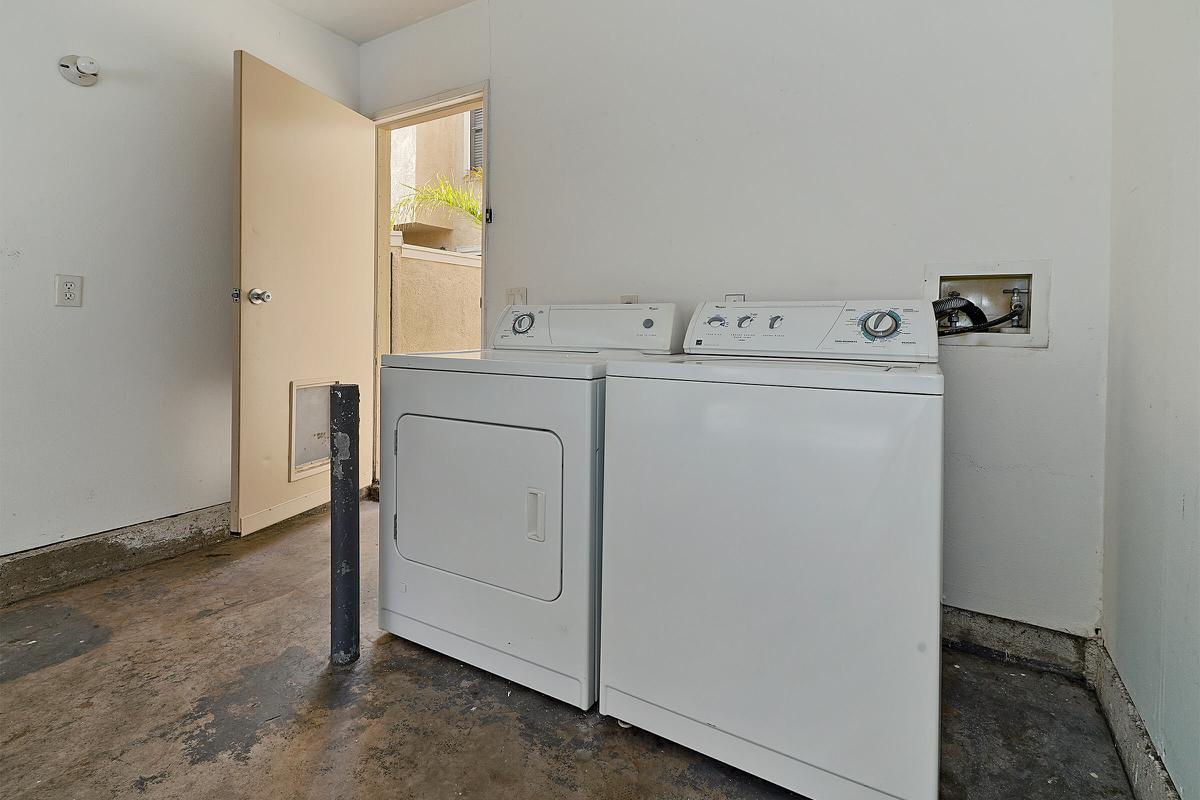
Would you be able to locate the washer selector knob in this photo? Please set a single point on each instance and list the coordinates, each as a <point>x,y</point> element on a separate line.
<point>774,321</point>
<point>716,321</point>
<point>522,323</point>
<point>880,324</point>
<point>744,322</point>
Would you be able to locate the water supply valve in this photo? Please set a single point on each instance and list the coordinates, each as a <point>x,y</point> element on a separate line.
<point>1016,305</point>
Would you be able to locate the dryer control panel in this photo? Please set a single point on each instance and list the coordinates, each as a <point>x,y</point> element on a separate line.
<point>645,328</point>
<point>872,330</point>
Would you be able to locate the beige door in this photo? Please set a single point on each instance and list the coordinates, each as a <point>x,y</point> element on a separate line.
<point>306,186</point>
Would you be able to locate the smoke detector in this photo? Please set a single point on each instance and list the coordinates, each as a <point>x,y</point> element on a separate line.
<point>79,70</point>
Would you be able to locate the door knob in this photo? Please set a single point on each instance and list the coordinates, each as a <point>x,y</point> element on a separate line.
<point>259,296</point>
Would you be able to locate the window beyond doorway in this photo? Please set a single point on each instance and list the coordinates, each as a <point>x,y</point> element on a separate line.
<point>436,234</point>
<point>437,182</point>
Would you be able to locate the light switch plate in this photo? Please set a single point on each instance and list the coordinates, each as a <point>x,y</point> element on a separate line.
<point>68,290</point>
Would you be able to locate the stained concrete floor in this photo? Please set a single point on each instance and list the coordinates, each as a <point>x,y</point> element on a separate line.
<point>206,676</point>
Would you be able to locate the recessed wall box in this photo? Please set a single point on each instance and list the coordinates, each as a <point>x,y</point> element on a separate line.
<point>997,287</point>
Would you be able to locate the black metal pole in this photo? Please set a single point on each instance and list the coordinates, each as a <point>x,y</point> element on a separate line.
<point>343,520</point>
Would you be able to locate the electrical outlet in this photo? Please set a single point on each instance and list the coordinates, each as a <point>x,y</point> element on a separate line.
<point>629,299</point>
<point>735,298</point>
<point>517,296</point>
<point>68,290</point>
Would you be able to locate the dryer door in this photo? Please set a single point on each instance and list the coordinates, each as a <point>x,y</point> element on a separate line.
<point>481,501</point>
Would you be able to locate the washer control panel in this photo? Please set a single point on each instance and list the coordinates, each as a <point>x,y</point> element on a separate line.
<point>645,328</point>
<point>874,330</point>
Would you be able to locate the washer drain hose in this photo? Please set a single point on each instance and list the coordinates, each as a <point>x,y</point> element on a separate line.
<point>1016,312</point>
<point>948,305</point>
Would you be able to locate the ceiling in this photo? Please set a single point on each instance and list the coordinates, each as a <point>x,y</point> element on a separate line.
<point>364,20</point>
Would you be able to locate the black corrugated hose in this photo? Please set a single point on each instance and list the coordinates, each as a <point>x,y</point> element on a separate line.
<point>1016,312</point>
<point>948,305</point>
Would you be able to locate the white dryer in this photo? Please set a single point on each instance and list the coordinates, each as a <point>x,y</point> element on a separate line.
<point>772,545</point>
<point>490,467</point>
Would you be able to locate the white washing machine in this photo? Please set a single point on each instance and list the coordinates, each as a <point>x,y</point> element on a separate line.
<point>490,467</point>
<point>772,545</point>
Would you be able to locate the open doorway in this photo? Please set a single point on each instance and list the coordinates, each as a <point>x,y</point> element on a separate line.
<point>436,238</point>
<point>431,208</point>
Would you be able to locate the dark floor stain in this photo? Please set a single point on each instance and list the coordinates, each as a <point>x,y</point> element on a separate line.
<point>40,636</point>
<point>144,782</point>
<point>543,722</point>
<point>337,688</point>
<point>233,721</point>
<point>1010,731</point>
<point>565,737</point>
<point>706,774</point>
<point>287,690</point>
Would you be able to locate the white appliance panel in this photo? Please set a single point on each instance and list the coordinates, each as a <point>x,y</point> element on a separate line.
<point>548,645</point>
<point>771,571</point>
<point>645,328</point>
<point>866,376</point>
<point>845,329</point>
<point>481,501</point>
<point>533,363</point>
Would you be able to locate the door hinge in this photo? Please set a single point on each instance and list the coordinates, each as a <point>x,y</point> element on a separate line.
<point>396,442</point>
<point>395,527</point>
<point>487,215</point>
<point>236,294</point>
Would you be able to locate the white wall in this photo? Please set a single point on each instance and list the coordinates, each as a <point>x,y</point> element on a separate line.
<point>680,151</point>
<point>445,52</point>
<point>119,412</point>
<point>1152,546</point>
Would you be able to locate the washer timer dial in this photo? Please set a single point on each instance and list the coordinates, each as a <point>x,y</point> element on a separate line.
<point>880,325</point>
<point>522,323</point>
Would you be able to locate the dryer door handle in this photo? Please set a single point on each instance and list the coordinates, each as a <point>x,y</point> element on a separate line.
<point>535,514</point>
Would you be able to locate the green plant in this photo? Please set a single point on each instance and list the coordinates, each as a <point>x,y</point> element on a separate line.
<point>441,194</point>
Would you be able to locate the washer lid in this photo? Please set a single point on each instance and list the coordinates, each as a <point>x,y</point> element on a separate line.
<point>530,363</point>
<point>863,376</point>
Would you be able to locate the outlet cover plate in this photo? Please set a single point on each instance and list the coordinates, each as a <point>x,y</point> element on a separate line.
<point>1039,302</point>
<point>68,291</point>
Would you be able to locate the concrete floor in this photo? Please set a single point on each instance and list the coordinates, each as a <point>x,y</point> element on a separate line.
<point>206,676</point>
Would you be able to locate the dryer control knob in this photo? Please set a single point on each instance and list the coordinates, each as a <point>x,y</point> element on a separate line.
<point>717,321</point>
<point>744,322</point>
<point>880,324</point>
<point>523,323</point>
